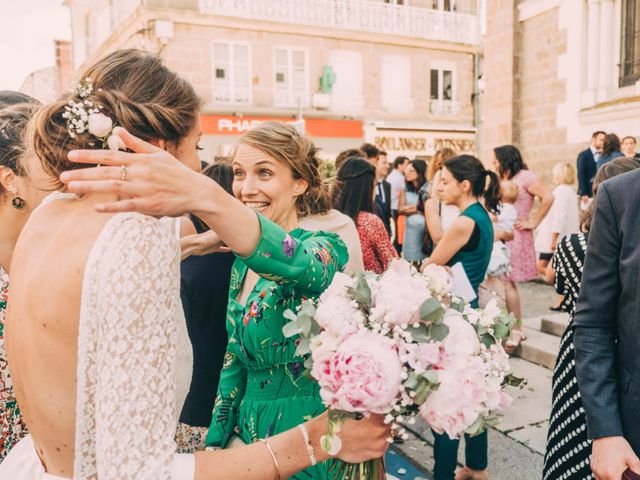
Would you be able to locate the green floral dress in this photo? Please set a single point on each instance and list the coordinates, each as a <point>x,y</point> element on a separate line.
<point>262,391</point>
<point>12,427</point>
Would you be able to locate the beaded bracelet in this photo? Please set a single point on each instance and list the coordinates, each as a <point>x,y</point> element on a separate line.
<point>273,457</point>
<point>310,451</point>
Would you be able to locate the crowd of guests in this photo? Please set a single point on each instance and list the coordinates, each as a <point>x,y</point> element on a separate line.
<point>451,210</point>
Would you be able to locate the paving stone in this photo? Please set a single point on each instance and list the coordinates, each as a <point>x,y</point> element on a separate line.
<point>533,436</point>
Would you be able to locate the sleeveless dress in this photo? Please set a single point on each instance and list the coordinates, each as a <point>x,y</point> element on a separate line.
<point>414,227</point>
<point>12,426</point>
<point>522,249</point>
<point>128,332</point>
<point>262,391</point>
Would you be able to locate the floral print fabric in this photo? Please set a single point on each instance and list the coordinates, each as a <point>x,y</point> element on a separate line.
<point>12,427</point>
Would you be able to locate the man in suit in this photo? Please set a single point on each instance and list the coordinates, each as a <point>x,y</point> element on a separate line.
<point>382,207</point>
<point>607,329</point>
<point>587,168</point>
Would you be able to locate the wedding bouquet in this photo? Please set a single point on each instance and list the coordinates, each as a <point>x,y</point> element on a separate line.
<point>401,344</point>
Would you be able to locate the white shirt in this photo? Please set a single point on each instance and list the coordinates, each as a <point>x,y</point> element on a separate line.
<point>506,218</point>
<point>397,181</point>
<point>337,222</point>
<point>563,218</point>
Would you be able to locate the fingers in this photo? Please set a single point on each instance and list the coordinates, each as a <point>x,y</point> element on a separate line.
<point>105,186</point>
<point>95,173</point>
<point>134,143</point>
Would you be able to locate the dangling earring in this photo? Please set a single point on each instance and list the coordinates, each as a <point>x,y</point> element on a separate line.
<point>17,201</point>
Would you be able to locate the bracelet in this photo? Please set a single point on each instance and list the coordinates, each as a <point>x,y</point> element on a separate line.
<point>273,457</point>
<point>310,451</point>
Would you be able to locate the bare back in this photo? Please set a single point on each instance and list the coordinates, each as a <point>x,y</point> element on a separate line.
<point>47,274</point>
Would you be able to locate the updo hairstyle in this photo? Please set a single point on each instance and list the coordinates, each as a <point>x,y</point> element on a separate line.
<point>136,91</point>
<point>282,142</point>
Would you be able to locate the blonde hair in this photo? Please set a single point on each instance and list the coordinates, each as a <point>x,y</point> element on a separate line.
<point>435,164</point>
<point>563,173</point>
<point>136,91</point>
<point>510,191</point>
<point>283,143</point>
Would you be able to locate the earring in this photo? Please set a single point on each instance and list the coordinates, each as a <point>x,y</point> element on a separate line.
<point>17,201</point>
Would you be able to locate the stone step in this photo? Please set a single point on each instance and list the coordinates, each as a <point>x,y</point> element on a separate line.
<point>539,347</point>
<point>551,323</point>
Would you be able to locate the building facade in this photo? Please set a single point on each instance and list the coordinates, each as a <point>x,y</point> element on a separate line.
<point>555,71</point>
<point>397,73</point>
<point>48,83</point>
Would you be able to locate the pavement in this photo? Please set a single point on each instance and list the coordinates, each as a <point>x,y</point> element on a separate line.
<point>517,443</point>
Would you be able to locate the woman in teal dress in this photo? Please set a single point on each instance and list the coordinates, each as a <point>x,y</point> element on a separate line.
<point>469,241</point>
<point>262,391</point>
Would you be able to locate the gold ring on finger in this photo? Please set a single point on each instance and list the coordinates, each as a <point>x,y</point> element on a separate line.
<point>123,173</point>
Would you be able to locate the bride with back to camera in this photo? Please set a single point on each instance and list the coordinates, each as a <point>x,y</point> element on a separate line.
<point>94,315</point>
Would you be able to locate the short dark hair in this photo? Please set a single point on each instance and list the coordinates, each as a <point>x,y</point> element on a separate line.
<point>631,137</point>
<point>382,152</point>
<point>599,132</point>
<point>400,161</point>
<point>509,160</point>
<point>353,189</point>
<point>343,155</point>
<point>369,150</point>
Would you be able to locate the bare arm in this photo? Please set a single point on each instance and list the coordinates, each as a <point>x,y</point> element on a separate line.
<point>540,190</point>
<point>502,235</point>
<point>433,220</point>
<point>453,240</point>
<point>403,208</point>
<point>362,440</point>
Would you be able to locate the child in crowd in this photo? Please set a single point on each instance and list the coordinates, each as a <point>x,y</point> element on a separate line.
<point>503,225</point>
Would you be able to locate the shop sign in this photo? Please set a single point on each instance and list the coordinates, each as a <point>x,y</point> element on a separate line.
<point>416,142</point>
<point>315,127</point>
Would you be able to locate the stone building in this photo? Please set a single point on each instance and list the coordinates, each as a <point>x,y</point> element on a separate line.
<point>555,71</point>
<point>398,73</point>
<point>48,83</point>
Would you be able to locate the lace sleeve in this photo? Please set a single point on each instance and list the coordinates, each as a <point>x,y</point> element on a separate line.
<point>126,353</point>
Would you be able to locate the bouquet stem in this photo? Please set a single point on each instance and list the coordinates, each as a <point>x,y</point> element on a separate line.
<point>370,470</point>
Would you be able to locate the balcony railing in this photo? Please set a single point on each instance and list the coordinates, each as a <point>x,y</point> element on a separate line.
<point>360,15</point>
<point>444,108</point>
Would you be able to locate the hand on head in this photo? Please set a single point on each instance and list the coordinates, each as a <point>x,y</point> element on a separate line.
<point>150,180</point>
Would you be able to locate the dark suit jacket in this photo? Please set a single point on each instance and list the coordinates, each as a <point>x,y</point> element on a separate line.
<point>587,168</point>
<point>383,206</point>
<point>607,321</point>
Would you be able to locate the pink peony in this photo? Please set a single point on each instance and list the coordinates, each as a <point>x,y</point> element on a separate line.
<point>398,295</point>
<point>364,374</point>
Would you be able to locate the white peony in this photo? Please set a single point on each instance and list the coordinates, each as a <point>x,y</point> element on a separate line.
<point>114,142</point>
<point>100,125</point>
<point>489,314</point>
<point>438,278</point>
<point>338,315</point>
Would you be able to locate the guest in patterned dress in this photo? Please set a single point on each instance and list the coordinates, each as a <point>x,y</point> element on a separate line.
<point>509,165</point>
<point>19,197</point>
<point>353,195</point>
<point>568,452</point>
<point>262,391</point>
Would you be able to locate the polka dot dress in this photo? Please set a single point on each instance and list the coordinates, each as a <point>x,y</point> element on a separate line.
<point>568,451</point>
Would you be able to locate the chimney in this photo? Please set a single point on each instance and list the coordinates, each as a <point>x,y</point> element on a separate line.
<point>64,64</point>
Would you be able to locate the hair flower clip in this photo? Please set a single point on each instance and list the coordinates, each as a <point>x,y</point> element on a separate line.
<point>84,116</point>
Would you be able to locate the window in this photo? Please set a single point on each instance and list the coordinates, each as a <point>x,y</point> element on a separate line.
<point>231,73</point>
<point>291,77</point>
<point>630,44</point>
<point>347,89</point>
<point>396,83</point>
<point>441,84</point>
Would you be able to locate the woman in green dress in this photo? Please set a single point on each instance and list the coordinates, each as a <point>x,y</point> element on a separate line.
<point>262,391</point>
<point>469,241</point>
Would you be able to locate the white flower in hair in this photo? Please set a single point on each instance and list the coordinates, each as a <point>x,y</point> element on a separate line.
<point>114,142</point>
<point>99,125</point>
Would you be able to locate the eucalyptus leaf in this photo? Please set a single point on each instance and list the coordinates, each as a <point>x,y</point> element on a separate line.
<point>412,381</point>
<point>487,339</point>
<point>420,334</point>
<point>501,331</point>
<point>290,329</point>
<point>361,293</point>
<point>438,331</point>
<point>290,315</point>
<point>431,311</point>
<point>422,393</point>
<point>458,305</point>
<point>304,322</point>
<point>513,381</point>
<point>431,376</point>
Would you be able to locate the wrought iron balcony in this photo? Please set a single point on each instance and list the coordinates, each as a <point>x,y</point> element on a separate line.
<point>359,15</point>
<point>444,108</point>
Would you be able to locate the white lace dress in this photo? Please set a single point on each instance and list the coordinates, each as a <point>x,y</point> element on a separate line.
<point>126,412</point>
